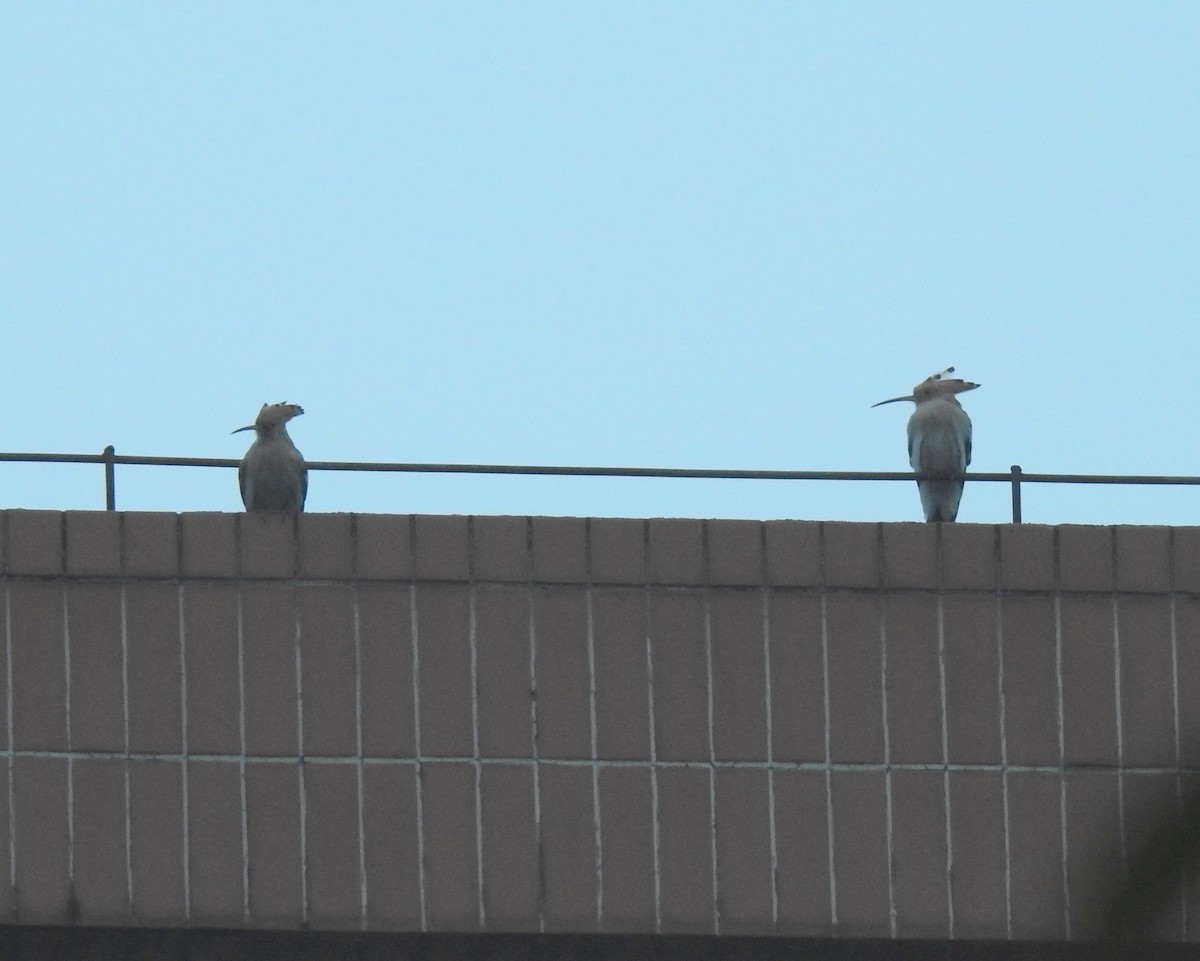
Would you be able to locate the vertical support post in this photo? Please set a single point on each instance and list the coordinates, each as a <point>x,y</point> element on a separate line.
<point>110,478</point>
<point>1016,493</point>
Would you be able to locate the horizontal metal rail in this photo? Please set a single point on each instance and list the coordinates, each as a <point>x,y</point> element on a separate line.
<point>1015,476</point>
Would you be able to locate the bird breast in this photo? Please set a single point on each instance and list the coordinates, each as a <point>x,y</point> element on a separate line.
<point>939,436</point>
<point>273,476</point>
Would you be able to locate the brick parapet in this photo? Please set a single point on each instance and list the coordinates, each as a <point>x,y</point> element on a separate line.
<point>505,723</point>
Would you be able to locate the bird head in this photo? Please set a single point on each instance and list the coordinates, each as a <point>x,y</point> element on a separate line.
<point>936,385</point>
<point>273,415</point>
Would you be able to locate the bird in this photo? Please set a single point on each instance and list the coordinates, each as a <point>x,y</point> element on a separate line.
<point>273,475</point>
<point>939,443</point>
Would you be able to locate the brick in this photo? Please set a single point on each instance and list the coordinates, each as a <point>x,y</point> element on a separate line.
<point>451,864</point>
<point>1085,558</point>
<point>560,553</point>
<point>386,650</point>
<point>1030,680</point>
<point>391,847</point>
<point>563,673</point>
<point>860,854</point>
<point>972,673</point>
<point>970,556</point>
<point>919,864</point>
<point>97,713</point>
<point>680,676</point>
<point>914,698</point>
<point>383,546</point>
<point>510,848</point>
<point>269,648</point>
<point>1088,681</point>
<point>910,555</point>
<point>568,848</point>
<point>8,894</point>
<point>802,844</point>
<point>688,901</point>
<point>1143,558</point>
<point>502,652</point>
<point>210,636</point>
<point>93,543</point>
<point>1036,860</point>
<point>618,550</point>
<point>215,868</point>
<point>273,836</point>
<point>1147,683</point>
<point>735,552</point>
<point>268,544</point>
<point>334,873</point>
<point>851,554</point>
<point>329,673</point>
<point>739,676</point>
<point>675,551</point>
<point>1093,849</point>
<point>442,548</point>
<point>1189,785</point>
<point>447,725</point>
<point>6,705</point>
<point>977,839</point>
<point>39,671</point>
<point>793,553</point>
<point>797,664</point>
<point>35,542</point>
<point>622,683</point>
<point>156,838</point>
<point>1185,556</point>
<point>745,887</point>
<point>150,544</point>
<point>1026,557</point>
<point>627,849</point>
<point>152,633</point>
<point>209,543</point>
<point>42,839</point>
<point>1187,625</point>
<point>326,545</point>
<point>855,678</point>
<point>500,548</point>
<point>1153,826</point>
<point>99,844</point>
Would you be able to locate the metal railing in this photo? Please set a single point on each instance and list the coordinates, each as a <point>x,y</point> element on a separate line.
<point>1014,477</point>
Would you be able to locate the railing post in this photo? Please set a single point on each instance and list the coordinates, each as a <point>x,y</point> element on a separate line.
<point>1016,493</point>
<point>110,479</point>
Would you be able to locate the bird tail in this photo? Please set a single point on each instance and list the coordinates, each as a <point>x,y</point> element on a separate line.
<point>940,498</point>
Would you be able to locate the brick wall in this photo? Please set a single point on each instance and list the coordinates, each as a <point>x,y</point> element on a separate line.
<point>557,724</point>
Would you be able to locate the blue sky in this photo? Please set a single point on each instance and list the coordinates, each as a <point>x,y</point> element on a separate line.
<point>625,234</point>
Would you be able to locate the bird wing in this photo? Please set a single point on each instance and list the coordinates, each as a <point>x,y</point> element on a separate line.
<point>242,483</point>
<point>915,436</point>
